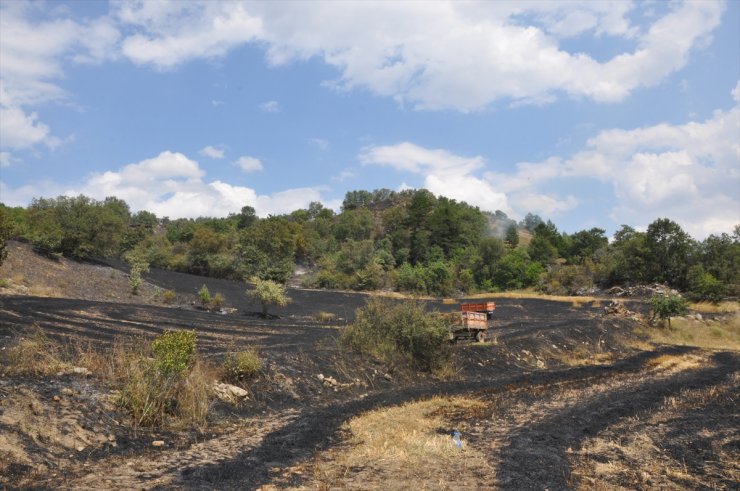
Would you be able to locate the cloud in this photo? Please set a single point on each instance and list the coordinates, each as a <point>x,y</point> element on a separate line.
<point>441,55</point>
<point>172,185</point>
<point>213,152</point>
<point>33,48</point>
<point>270,107</point>
<point>319,143</point>
<point>444,173</point>
<point>249,164</point>
<point>688,172</point>
<point>169,33</point>
<point>19,130</point>
<point>5,159</point>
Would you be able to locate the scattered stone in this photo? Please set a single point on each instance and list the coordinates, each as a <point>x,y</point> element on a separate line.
<point>111,438</point>
<point>158,443</point>
<point>67,391</point>
<point>56,398</point>
<point>81,371</point>
<point>229,393</point>
<point>80,448</point>
<point>698,317</point>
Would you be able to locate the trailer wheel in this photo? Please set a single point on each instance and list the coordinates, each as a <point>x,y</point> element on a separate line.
<point>480,336</point>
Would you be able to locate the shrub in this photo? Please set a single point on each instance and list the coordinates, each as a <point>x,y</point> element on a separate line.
<point>217,301</point>
<point>404,331</point>
<point>668,305</point>
<point>174,352</point>
<point>138,267</point>
<point>704,286</point>
<point>268,293</point>
<point>205,295</point>
<point>169,296</point>
<point>241,366</point>
<point>163,379</point>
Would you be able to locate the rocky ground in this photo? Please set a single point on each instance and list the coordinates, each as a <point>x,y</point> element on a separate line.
<point>563,396</point>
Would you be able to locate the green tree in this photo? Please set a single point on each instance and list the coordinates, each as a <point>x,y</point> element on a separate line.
<point>268,293</point>
<point>669,250</point>
<point>512,235</point>
<point>667,306</point>
<point>585,244</point>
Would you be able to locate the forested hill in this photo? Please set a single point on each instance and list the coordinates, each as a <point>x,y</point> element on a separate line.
<point>410,241</point>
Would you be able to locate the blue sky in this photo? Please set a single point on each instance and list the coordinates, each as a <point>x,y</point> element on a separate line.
<point>587,113</point>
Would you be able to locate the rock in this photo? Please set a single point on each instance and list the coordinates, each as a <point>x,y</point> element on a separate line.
<point>158,443</point>
<point>229,393</point>
<point>67,391</point>
<point>698,317</point>
<point>111,438</point>
<point>80,448</point>
<point>81,371</point>
<point>56,398</point>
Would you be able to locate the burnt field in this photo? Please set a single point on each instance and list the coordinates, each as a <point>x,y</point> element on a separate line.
<point>561,396</point>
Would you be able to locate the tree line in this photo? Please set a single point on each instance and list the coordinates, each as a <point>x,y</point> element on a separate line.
<point>410,241</point>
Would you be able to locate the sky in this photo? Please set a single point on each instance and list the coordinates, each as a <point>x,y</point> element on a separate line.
<point>591,114</point>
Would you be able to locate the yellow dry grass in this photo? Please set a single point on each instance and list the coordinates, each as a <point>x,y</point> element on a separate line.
<point>406,433</point>
<point>719,308</point>
<point>724,335</point>
<point>576,302</point>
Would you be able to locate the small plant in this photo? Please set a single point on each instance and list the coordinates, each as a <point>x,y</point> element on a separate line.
<point>205,296</point>
<point>138,267</point>
<point>217,301</point>
<point>268,293</point>
<point>241,366</point>
<point>169,296</point>
<point>4,283</point>
<point>325,317</point>
<point>174,351</point>
<point>667,306</point>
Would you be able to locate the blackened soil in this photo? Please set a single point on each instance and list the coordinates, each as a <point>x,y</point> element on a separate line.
<point>293,416</point>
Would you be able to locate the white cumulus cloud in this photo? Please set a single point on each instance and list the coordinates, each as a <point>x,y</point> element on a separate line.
<point>172,185</point>
<point>212,152</point>
<point>249,164</point>
<point>435,55</point>
<point>445,173</point>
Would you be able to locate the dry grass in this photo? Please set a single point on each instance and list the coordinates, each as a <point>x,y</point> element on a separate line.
<point>403,441</point>
<point>531,294</point>
<point>324,317</point>
<point>36,355</point>
<point>676,362</point>
<point>723,335</point>
<point>719,308</point>
<point>406,434</point>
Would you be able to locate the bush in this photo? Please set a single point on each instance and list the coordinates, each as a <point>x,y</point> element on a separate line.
<point>205,296</point>
<point>163,380</point>
<point>174,352</point>
<point>704,286</point>
<point>241,366</point>
<point>138,267</point>
<point>169,296</point>
<point>400,331</point>
<point>667,306</point>
<point>217,301</point>
<point>268,293</point>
